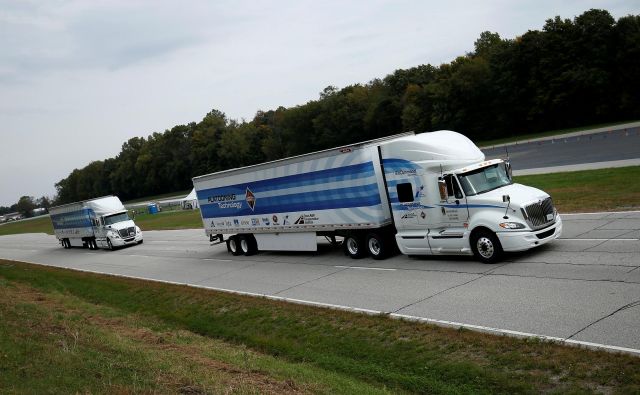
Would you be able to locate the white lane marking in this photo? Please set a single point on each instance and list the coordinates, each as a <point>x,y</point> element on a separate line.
<point>600,239</point>
<point>478,328</point>
<point>366,268</point>
<point>603,212</point>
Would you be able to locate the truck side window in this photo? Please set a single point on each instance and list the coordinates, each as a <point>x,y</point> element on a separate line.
<point>405,192</point>
<point>453,189</point>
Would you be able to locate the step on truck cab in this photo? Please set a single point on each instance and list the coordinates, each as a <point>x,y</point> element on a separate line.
<point>424,194</point>
<point>96,223</point>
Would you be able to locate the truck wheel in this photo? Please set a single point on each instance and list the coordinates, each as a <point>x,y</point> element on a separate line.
<point>233,245</point>
<point>248,245</point>
<point>109,245</point>
<point>377,246</point>
<point>486,246</point>
<point>94,243</point>
<point>354,246</point>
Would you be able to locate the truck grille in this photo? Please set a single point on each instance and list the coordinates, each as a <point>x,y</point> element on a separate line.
<point>538,214</point>
<point>130,231</point>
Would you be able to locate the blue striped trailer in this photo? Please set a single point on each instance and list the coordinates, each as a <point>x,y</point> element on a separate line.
<point>422,194</point>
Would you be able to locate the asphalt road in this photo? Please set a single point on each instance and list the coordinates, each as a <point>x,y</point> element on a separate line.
<point>584,287</point>
<point>588,148</point>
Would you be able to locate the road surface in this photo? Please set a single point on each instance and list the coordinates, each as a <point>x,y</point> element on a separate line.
<point>584,287</point>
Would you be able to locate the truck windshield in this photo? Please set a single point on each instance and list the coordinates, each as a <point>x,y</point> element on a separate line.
<point>484,180</point>
<point>112,219</point>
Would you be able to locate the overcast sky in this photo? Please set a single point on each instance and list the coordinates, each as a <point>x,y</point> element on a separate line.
<point>79,78</point>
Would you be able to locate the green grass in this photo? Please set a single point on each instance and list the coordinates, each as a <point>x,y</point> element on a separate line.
<point>158,197</point>
<point>36,225</point>
<point>181,219</point>
<point>590,190</point>
<point>96,333</point>
<point>489,143</point>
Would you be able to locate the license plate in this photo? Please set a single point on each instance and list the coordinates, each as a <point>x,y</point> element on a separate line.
<point>549,217</point>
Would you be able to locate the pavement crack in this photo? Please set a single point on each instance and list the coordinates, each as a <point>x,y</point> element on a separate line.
<point>625,307</point>
<point>480,275</point>
<point>310,281</point>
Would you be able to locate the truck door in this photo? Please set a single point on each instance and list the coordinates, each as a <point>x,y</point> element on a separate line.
<point>447,236</point>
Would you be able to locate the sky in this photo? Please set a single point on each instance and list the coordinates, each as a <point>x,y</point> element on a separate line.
<point>79,78</point>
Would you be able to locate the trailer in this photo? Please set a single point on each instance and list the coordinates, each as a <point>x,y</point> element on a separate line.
<point>96,223</point>
<point>425,194</point>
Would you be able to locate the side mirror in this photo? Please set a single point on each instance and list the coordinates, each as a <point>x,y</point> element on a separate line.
<point>507,167</point>
<point>442,187</point>
<point>506,198</point>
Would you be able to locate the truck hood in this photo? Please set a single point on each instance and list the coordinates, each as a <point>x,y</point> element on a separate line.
<point>520,195</point>
<point>123,225</point>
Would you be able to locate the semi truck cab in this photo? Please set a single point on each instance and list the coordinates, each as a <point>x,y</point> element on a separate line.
<point>116,230</point>
<point>447,200</point>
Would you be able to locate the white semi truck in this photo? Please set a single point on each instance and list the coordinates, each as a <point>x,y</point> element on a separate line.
<point>426,194</point>
<point>96,223</point>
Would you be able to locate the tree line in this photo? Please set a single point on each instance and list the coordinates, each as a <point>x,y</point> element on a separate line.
<point>570,73</point>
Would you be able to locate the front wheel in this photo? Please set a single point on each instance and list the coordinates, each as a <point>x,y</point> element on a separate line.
<point>109,245</point>
<point>486,246</point>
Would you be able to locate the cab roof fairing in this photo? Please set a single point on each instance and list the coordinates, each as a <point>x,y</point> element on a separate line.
<point>444,148</point>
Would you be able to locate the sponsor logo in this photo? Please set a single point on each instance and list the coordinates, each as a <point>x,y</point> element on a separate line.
<point>345,150</point>
<point>406,172</point>
<point>419,192</point>
<point>265,220</point>
<point>423,215</point>
<point>409,215</point>
<point>220,223</point>
<point>250,198</point>
<point>275,219</point>
<point>236,222</point>
<point>225,201</point>
<point>307,219</point>
<point>286,220</point>
<point>229,223</point>
<point>255,222</point>
<point>213,225</point>
<point>245,222</point>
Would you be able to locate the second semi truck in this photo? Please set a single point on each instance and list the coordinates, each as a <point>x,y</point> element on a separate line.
<point>96,223</point>
<point>425,194</point>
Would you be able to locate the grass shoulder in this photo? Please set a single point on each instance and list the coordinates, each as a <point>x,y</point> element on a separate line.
<point>590,190</point>
<point>135,336</point>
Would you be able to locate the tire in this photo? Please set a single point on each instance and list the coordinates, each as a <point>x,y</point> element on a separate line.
<point>94,243</point>
<point>109,245</point>
<point>354,246</point>
<point>233,245</point>
<point>486,247</point>
<point>141,241</point>
<point>248,245</point>
<point>377,246</point>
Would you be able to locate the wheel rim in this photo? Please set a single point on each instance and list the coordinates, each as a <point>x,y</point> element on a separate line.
<point>374,246</point>
<point>352,246</point>
<point>485,247</point>
<point>109,244</point>
<point>232,245</point>
<point>244,245</point>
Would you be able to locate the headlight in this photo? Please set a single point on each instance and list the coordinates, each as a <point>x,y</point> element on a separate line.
<point>138,230</point>
<point>512,225</point>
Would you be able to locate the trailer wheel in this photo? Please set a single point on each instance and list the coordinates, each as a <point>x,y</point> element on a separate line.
<point>67,243</point>
<point>377,246</point>
<point>354,246</point>
<point>248,245</point>
<point>232,245</point>
<point>486,246</point>
<point>94,243</point>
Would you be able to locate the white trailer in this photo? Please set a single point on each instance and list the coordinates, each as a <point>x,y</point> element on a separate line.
<point>96,223</point>
<point>426,194</point>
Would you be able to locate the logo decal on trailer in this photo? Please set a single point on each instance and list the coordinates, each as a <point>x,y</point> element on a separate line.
<point>250,198</point>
